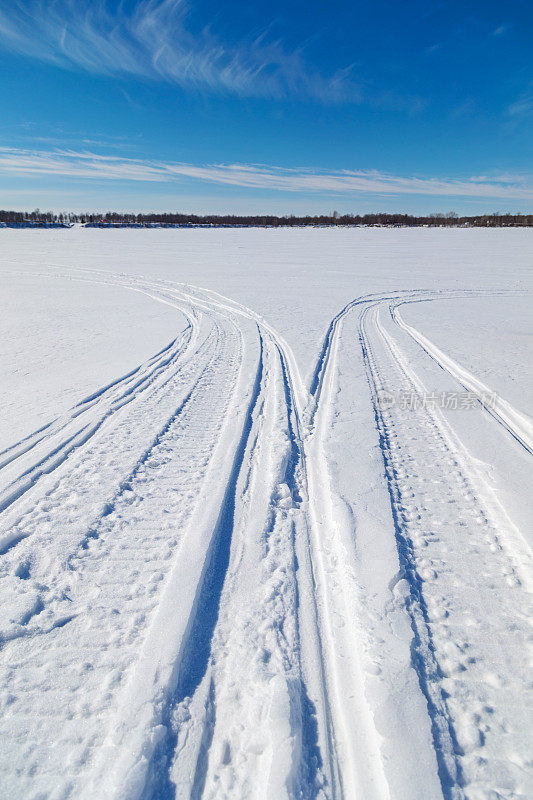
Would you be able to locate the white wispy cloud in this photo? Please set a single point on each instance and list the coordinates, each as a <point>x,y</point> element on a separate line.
<point>154,41</point>
<point>84,164</point>
<point>523,106</point>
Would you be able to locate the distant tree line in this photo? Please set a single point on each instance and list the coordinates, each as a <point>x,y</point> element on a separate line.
<point>111,218</point>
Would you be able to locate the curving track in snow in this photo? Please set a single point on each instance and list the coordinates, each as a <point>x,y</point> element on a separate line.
<point>467,572</point>
<point>186,613</point>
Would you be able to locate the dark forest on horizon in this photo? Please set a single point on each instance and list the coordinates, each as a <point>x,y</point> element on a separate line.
<point>39,218</point>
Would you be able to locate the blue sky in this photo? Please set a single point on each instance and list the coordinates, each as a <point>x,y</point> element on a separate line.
<point>279,107</point>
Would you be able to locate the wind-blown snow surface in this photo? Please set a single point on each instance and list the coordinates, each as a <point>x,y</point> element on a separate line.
<point>264,558</point>
<point>61,342</point>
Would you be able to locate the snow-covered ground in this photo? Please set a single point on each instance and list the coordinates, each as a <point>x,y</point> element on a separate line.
<point>259,536</point>
<point>489,335</point>
<point>60,343</point>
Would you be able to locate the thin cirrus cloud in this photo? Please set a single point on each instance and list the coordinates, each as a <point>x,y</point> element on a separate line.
<point>522,107</point>
<point>87,165</point>
<point>154,42</point>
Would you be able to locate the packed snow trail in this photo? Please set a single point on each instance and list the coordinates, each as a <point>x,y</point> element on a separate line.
<point>465,568</point>
<point>93,551</point>
<point>190,607</point>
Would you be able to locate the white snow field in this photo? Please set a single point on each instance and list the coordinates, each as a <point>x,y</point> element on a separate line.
<point>265,514</point>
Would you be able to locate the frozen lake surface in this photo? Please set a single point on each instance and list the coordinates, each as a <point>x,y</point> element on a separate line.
<point>265,526</point>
